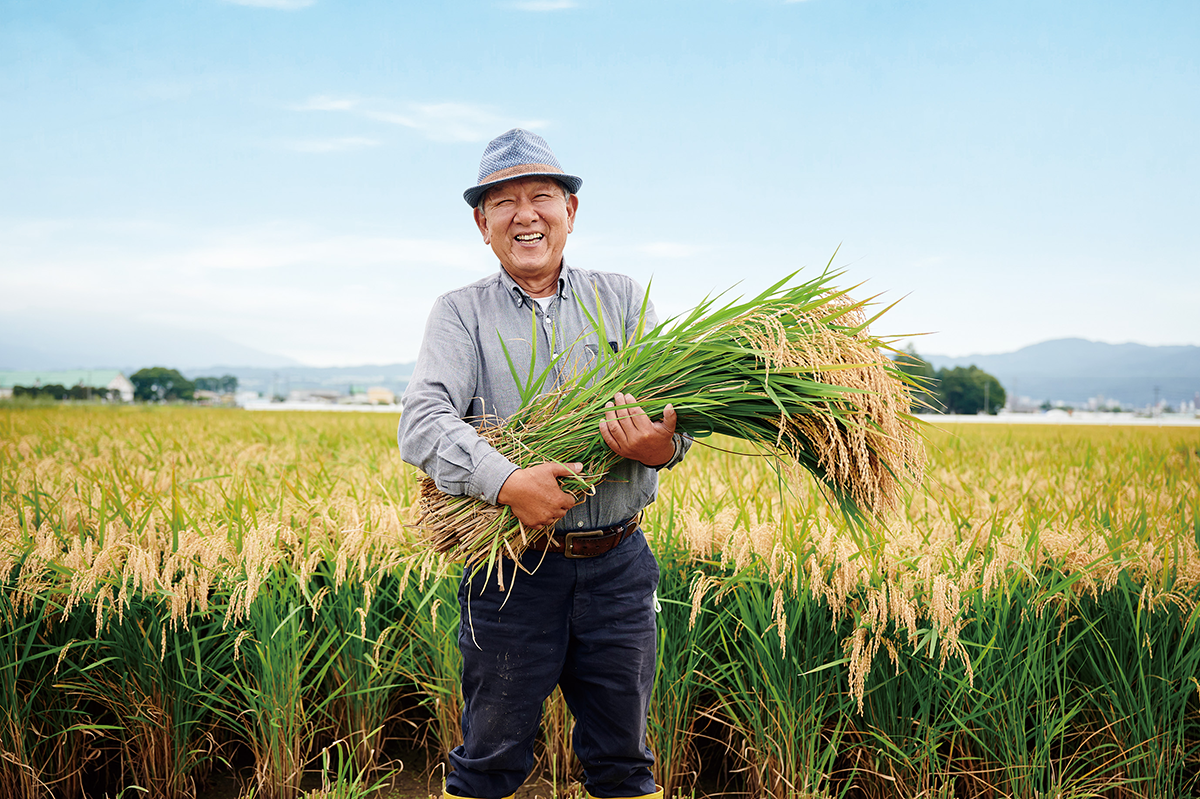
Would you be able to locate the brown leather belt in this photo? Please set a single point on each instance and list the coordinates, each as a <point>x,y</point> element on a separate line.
<point>587,543</point>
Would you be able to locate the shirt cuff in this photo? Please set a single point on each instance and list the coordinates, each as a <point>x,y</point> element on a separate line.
<point>681,446</point>
<point>489,476</point>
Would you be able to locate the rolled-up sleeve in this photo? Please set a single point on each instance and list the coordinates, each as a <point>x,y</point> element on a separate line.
<point>433,434</point>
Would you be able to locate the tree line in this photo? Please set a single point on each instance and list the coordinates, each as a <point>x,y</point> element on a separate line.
<point>160,384</point>
<point>154,384</point>
<point>963,389</point>
<point>57,391</point>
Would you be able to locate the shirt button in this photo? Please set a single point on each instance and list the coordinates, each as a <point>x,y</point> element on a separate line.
<point>579,524</point>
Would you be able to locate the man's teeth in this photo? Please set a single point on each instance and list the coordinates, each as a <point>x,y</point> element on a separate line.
<point>529,237</point>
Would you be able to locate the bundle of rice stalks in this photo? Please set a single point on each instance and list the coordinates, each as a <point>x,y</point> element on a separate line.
<point>793,370</point>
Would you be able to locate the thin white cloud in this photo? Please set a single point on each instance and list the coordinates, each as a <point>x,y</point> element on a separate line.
<point>441,122</point>
<point>268,251</point>
<point>669,249</point>
<point>45,252</point>
<point>332,145</point>
<point>279,5</point>
<point>452,122</point>
<point>544,5</point>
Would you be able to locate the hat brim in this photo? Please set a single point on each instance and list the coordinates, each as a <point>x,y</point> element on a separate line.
<point>572,183</point>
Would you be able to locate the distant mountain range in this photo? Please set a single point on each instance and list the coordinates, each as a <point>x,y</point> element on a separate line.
<point>1073,370</point>
<point>111,343</point>
<point>280,380</point>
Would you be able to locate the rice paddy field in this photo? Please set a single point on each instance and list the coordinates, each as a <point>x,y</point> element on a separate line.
<point>198,598</point>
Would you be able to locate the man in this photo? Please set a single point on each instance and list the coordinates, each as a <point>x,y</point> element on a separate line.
<point>580,614</point>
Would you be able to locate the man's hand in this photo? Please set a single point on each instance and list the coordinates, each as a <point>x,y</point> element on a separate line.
<point>630,433</point>
<point>534,494</point>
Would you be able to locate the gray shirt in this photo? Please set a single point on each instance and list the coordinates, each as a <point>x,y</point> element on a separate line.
<point>462,374</point>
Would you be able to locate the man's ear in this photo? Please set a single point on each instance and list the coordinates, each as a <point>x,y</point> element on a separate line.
<point>572,206</point>
<point>481,222</point>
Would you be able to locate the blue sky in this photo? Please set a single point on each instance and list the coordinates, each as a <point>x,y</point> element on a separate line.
<point>286,175</point>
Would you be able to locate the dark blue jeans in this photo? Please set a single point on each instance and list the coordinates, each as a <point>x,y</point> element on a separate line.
<point>587,626</point>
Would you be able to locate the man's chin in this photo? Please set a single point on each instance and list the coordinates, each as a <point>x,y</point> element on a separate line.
<point>532,267</point>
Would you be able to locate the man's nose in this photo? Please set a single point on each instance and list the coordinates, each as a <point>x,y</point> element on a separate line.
<point>526,213</point>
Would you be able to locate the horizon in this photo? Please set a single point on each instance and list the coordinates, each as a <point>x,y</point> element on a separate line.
<point>262,176</point>
<point>212,367</point>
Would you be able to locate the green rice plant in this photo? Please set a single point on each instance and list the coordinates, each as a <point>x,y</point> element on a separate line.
<point>679,686</point>
<point>355,595</point>
<point>43,723</point>
<point>793,370</point>
<point>1144,664</point>
<point>555,759</point>
<point>366,675</point>
<point>271,694</point>
<point>341,778</point>
<point>156,683</point>
<point>776,666</point>
<point>1024,717</point>
<point>432,661</point>
<point>906,742</point>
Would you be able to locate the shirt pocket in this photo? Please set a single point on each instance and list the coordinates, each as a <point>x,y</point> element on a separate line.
<point>588,359</point>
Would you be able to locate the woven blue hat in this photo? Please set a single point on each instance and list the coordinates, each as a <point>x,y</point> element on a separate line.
<point>518,154</point>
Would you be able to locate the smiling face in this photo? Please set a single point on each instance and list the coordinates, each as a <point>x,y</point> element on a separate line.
<point>526,222</point>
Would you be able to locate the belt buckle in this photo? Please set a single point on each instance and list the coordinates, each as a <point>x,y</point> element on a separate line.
<point>569,537</point>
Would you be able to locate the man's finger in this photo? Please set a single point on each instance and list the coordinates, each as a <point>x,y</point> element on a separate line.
<point>639,422</point>
<point>607,436</point>
<point>632,418</point>
<point>616,403</point>
<point>564,469</point>
<point>634,409</point>
<point>615,428</point>
<point>625,400</point>
<point>670,418</point>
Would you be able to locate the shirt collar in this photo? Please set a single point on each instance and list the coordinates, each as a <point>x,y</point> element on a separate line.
<point>519,294</point>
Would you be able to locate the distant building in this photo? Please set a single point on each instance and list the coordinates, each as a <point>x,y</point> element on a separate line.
<point>206,397</point>
<point>1022,404</point>
<point>109,379</point>
<point>1102,403</point>
<point>378,395</point>
<point>318,396</point>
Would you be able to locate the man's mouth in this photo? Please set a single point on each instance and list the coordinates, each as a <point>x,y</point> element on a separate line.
<point>528,237</point>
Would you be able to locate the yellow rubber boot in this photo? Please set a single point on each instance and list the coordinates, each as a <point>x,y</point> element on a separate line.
<point>448,795</point>
<point>656,795</point>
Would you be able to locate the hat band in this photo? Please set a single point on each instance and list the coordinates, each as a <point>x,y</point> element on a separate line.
<point>520,169</point>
